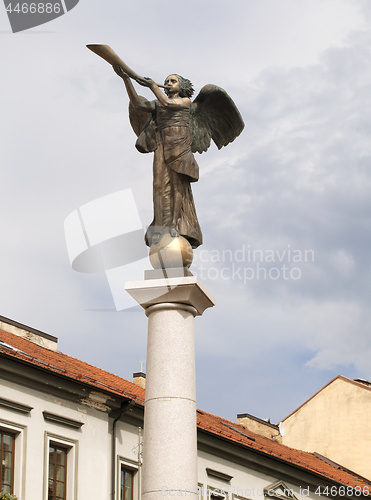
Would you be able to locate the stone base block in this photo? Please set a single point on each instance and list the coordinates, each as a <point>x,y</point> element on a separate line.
<point>187,290</point>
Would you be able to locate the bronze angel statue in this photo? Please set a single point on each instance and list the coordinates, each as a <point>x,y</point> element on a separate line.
<point>174,128</point>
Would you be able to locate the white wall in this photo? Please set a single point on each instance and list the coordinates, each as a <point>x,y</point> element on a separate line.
<point>246,483</point>
<point>89,456</point>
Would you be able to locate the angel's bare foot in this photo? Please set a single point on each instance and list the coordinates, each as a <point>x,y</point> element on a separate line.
<point>173,232</point>
<point>156,238</point>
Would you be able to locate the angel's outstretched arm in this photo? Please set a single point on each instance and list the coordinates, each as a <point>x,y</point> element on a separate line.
<point>138,103</point>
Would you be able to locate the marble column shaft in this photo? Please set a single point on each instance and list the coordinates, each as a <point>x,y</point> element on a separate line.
<point>170,427</point>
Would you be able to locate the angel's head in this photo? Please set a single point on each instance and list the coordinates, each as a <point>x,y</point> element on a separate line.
<point>185,86</point>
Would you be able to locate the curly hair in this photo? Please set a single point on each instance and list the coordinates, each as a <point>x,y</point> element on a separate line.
<point>186,87</point>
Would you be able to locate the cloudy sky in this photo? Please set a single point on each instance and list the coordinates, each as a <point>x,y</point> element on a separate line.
<point>285,210</point>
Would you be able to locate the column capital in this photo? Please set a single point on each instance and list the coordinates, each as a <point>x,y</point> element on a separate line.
<point>187,290</point>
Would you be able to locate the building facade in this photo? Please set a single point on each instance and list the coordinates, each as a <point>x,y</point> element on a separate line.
<point>335,423</point>
<point>71,431</point>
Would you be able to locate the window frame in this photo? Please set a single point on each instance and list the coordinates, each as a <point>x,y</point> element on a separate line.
<point>239,497</point>
<point>6,432</point>
<point>130,466</point>
<point>216,493</point>
<point>132,474</point>
<point>65,450</point>
<point>19,432</point>
<point>71,448</point>
<point>200,491</point>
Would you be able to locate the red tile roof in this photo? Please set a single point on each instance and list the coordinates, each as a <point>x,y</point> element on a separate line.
<point>69,367</point>
<point>222,428</point>
<point>80,371</point>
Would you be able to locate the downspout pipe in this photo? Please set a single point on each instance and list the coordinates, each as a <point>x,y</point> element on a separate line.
<point>123,409</point>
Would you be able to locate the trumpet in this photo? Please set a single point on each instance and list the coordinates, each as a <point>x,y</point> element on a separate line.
<point>112,58</point>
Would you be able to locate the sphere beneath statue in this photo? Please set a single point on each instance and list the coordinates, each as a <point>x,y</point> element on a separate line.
<point>171,252</point>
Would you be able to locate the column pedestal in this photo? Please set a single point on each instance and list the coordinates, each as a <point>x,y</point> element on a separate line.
<point>170,429</point>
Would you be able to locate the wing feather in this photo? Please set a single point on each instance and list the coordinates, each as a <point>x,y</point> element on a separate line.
<point>214,116</point>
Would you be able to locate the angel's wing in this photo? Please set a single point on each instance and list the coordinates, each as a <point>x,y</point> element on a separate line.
<point>138,118</point>
<point>214,116</point>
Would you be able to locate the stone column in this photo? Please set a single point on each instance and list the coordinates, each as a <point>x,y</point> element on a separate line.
<point>170,430</point>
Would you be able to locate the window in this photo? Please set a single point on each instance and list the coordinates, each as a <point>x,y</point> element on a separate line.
<point>60,467</point>
<point>216,494</point>
<point>126,484</point>
<point>57,479</point>
<point>238,497</point>
<point>200,491</point>
<point>7,461</point>
<point>128,479</point>
<point>13,438</point>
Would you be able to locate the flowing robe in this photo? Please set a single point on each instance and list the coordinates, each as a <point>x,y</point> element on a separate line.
<point>174,168</point>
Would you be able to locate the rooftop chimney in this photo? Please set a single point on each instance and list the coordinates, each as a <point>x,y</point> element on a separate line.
<point>258,425</point>
<point>139,378</point>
